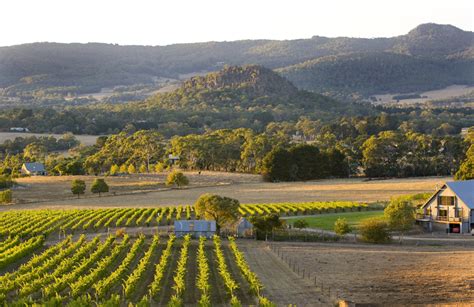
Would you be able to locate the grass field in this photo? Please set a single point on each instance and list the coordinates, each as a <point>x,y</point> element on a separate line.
<point>326,221</point>
<point>147,190</point>
<point>84,139</point>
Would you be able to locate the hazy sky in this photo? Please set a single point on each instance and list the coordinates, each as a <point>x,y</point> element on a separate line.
<point>157,22</point>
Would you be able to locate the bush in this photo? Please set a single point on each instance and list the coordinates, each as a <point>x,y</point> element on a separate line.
<point>6,197</point>
<point>341,227</point>
<point>131,169</point>
<point>374,231</point>
<point>114,170</point>
<point>143,169</point>
<point>300,224</point>
<point>5,182</point>
<point>176,178</point>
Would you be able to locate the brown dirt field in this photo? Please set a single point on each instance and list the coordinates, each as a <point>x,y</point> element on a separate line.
<point>148,190</point>
<point>281,285</point>
<point>387,275</point>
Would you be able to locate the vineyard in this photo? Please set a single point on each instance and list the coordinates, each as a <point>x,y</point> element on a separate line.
<point>140,271</point>
<point>18,225</point>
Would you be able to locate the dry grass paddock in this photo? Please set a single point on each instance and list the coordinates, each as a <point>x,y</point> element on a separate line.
<point>149,190</point>
<point>369,274</point>
<point>84,139</point>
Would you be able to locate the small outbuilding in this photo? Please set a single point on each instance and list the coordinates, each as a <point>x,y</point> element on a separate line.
<point>244,228</point>
<point>33,169</point>
<point>450,209</point>
<point>196,228</point>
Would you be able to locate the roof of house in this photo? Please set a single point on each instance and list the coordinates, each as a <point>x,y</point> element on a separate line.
<point>34,167</point>
<point>464,190</point>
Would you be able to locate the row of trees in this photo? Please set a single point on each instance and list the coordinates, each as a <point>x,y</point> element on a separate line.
<point>334,152</point>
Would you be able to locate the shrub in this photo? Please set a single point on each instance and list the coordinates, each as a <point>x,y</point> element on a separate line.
<point>177,178</point>
<point>159,167</point>
<point>374,231</point>
<point>114,170</point>
<point>5,182</point>
<point>143,169</point>
<point>6,197</point>
<point>341,227</point>
<point>300,224</point>
<point>131,169</point>
<point>119,233</point>
<point>123,169</point>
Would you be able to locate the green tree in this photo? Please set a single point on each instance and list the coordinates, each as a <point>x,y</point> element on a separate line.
<point>381,154</point>
<point>466,170</point>
<point>400,214</point>
<point>264,224</point>
<point>300,223</point>
<point>177,178</point>
<point>374,231</point>
<point>278,165</point>
<point>223,210</point>
<point>78,187</point>
<point>34,152</point>
<point>341,227</point>
<point>99,186</point>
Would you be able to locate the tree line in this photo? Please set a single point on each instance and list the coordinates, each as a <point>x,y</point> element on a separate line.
<point>277,153</point>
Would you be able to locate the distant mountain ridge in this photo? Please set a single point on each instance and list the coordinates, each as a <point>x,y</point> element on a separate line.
<point>439,55</point>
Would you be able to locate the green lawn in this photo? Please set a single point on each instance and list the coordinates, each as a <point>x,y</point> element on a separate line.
<point>326,221</point>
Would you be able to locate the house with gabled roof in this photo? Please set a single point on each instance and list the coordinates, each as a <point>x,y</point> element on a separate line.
<point>33,169</point>
<point>450,209</point>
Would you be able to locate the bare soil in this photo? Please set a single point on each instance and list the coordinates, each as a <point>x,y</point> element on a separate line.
<point>385,275</point>
<point>281,285</point>
<point>147,190</point>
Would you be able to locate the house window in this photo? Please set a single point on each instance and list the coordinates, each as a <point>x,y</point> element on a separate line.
<point>442,212</point>
<point>446,200</point>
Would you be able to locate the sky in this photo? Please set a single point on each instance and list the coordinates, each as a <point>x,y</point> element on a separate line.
<point>163,22</point>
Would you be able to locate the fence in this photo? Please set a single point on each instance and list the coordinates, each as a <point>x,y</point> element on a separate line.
<point>334,295</point>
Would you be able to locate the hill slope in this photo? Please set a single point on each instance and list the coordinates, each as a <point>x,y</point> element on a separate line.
<point>51,68</point>
<point>251,96</point>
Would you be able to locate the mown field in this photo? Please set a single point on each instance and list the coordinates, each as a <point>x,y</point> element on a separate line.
<point>327,221</point>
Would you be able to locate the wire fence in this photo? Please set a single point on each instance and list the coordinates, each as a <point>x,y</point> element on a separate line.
<point>334,295</point>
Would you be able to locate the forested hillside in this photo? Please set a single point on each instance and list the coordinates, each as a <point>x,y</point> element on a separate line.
<point>427,57</point>
<point>250,96</point>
